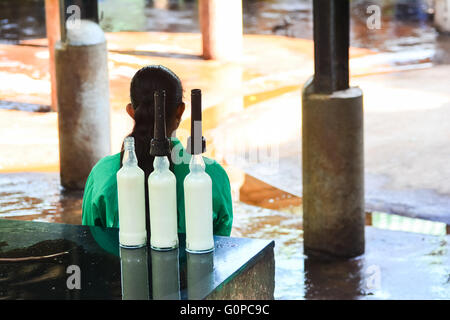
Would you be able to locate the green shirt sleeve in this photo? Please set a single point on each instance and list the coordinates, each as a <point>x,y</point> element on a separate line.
<point>90,213</point>
<point>100,194</point>
<point>222,202</point>
<point>100,208</point>
<point>100,203</point>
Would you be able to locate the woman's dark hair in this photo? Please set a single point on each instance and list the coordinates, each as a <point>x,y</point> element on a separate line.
<point>143,85</point>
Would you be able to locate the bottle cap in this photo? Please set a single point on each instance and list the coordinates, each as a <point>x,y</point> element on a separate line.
<point>196,142</point>
<point>128,143</point>
<point>160,144</point>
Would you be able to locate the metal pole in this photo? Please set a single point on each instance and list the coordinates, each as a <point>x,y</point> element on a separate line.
<point>62,19</point>
<point>90,7</point>
<point>331,43</point>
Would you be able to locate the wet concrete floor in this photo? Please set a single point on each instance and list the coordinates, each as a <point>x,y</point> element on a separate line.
<point>417,266</point>
<point>260,93</point>
<point>402,184</point>
<point>376,275</point>
<point>406,119</point>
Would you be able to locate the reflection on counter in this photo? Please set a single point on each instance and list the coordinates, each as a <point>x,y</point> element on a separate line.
<point>200,275</point>
<point>37,271</point>
<point>40,260</point>
<point>165,275</point>
<point>134,269</point>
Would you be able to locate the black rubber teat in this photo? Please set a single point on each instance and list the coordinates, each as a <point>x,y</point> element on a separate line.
<point>160,144</point>
<point>196,142</point>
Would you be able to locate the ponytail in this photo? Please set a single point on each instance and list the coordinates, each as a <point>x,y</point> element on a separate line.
<point>143,85</point>
<point>143,133</point>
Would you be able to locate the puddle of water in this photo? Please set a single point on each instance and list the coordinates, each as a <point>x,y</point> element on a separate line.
<point>39,197</point>
<point>286,229</point>
<point>23,106</point>
<point>21,20</point>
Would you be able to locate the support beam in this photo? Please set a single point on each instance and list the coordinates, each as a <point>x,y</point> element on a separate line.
<point>442,16</point>
<point>221,27</point>
<point>332,139</point>
<point>83,102</point>
<point>53,32</point>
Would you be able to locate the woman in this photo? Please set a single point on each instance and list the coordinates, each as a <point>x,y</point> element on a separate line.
<point>100,206</point>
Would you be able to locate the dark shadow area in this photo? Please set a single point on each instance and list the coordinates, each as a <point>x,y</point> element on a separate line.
<point>24,106</point>
<point>334,279</point>
<point>40,272</point>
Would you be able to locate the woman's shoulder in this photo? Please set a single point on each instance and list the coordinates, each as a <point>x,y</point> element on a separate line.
<point>103,174</point>
<point>107,164</point>
<point>99,197</point>
<point>215,170</point>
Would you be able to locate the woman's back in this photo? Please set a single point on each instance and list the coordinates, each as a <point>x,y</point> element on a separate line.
<point>100,203</point>
<point>100,206</point>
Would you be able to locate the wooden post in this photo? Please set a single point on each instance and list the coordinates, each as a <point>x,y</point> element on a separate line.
<point>53,35</point>
<point>221,27</point>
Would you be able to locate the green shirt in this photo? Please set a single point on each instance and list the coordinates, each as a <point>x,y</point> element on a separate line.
<point>100,207</point>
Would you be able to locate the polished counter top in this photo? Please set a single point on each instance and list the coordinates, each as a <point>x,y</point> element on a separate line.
<point>40,260</point>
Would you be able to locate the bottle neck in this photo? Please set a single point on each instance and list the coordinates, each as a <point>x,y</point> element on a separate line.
<point>161,163</point>
<point>129,158</point>
<point>197,164</point>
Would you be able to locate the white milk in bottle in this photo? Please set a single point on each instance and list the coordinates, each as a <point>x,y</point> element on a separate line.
<point>162,192</point>
<point>131,197</point>
<point>162,185</point>
<point>198,208</point>
<point>198,187</point>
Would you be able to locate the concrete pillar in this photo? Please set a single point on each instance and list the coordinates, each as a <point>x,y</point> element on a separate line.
<point>333,172</point>
<point>83,102</point>
<point>333,151</point>
<point>221,27</point>
<point>442,16</point>
<point>53,31</point>
<point>161,4</point>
